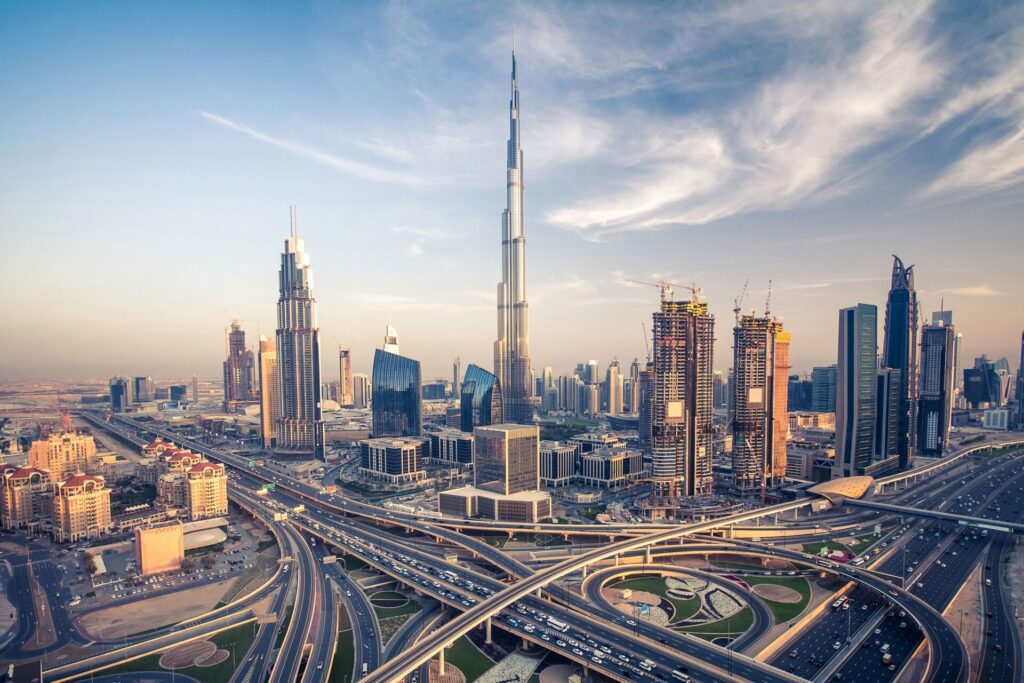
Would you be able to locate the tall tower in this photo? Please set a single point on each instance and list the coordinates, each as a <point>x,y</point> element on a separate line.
<point>456,377</point>
<point>899,352</point>
<point>345,377</point>
<point>239,368</point>
<point>300,428</point>
<point>512,347</point>
<point>856,390</point>
<point>938,363</point>
<point>682,413</point>
<point>760,418</point>
<point>270,392</point>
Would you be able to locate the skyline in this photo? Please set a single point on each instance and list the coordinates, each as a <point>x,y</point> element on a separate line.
<point>227,171</point>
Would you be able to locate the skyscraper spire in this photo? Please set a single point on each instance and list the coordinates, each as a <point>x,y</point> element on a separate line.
<point>512,347</point>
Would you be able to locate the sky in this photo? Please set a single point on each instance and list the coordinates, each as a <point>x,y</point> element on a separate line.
<point>149,154</point>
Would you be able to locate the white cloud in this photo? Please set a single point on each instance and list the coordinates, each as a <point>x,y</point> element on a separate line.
<point>973,291</point>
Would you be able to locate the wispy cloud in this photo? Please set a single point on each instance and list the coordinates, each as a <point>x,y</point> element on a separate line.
<point>347,165</point>
<point>972,291</point>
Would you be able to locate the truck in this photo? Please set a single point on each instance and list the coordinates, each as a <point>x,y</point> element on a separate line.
<point>887,659</point>
<point>365,668</point>
<point>299,508</point>
<point>269,486</point>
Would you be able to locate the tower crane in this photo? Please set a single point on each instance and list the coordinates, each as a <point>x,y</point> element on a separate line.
<point>768,301</point>
<point>737,303</point>
<point>666,288</point>
<point>647,345</point>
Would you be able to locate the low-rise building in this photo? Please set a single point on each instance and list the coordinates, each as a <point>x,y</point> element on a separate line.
<point>610,468</point>
<point>558,462</point>
<point>396,460</point>
<point>81,508</point>
<point>468,501</point>
<point>451,447</point>
<point>63,455</point>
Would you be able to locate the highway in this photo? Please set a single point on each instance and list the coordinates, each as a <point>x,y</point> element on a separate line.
<point>366,634</point>
<point>307,595</point>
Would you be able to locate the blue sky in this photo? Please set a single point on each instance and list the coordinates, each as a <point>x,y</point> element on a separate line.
<point>148,156</point>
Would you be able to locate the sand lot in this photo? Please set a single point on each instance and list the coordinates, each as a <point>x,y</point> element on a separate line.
<point>111,623</point>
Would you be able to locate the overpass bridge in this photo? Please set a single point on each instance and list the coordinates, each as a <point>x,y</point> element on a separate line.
<point>962,520</point>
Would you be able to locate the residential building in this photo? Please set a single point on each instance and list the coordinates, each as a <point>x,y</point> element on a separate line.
<point>27,498</point>
<point>63,454</point>
<point>81,508</point>
<point>207,490</point>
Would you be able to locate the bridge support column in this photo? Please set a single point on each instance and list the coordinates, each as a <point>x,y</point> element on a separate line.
<point>440,659</point>
<point>584,571</point>
<point>647,554</point>
<point>616,560</point>
<point>487,629</point>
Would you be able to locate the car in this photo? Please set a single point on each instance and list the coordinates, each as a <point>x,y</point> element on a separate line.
<point>836,645</point>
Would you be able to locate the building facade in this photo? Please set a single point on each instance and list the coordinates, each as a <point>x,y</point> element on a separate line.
<point>270,393</point>
<point>481,399</point>
<point>899,352</point>
<point>81,509</point>
<point>512,347</point>
<point>397,401</point>
<point>935,402</point>
<point>120,394</point>
<point>239,370</point>
<point>396,460</point>
<point>345,397</point>
<point>159,548</point>
<point>559,462</point>
<point>682,415</point>
<point>361,391</point>
<point>760,416</point>
<point>27,498</point>
<point>823,389</point>
<point>63,455</point>
<point>507,458</point>
<point>856,390</point>
<point>451,447</point>
<point>207,490</point>
<point>300,427</point>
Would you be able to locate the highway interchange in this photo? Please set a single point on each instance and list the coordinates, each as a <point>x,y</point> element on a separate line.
<point>533,603</point>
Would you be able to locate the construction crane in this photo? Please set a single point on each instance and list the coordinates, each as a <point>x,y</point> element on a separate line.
<point>768,301</point>
<point>666,288</point>
<point>647,345</point>
<point>737,303</point>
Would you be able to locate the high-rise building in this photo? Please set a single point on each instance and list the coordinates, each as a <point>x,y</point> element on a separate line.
<point>938,366</point>
<point>631,396</point>
<point>81,508</point>
<point>270,392</point>
<point>142,389</point>
<point>391,340</point>
<point>1020,386</point>
<point>456,377</point>
<point>983,384</point>
<point>63,455</point>
<point>645,409</point>
<point>856,390</point>
<point>300,427</point>
<point>899,352</point>
<point>239,370</point>
<point>760,416</point>
<point>120,394</point>
<point>512,347</point>
<point>718,389</point>
<point>823,389</point>
<point>887,413</point>
<point>345,378</point>
<point>507,458</point>
<point>360,390</point>
<point>681,426</point>
<point>481,402</point>
<point>195,390</point>
<point>396,395</point>
<point>178,394</point>
<point>207,492</point>
<point>26,497</point>
<point>614,382</point>
<point>801,391</point>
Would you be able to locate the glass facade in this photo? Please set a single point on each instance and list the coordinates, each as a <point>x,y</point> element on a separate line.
<point>507,458</point>
<point>899,352</point>
<point>481,399</point>
<point>856,390</point>
<point>396,395</point>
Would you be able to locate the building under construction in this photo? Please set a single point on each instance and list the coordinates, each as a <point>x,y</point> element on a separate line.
<point>682,411</point>
<point>759,415</point>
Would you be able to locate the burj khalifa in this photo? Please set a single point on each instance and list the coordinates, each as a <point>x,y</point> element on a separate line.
<point>512,347</point>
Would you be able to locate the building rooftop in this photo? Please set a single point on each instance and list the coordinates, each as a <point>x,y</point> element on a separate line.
<point>81,480</point>
<point>526,496</point>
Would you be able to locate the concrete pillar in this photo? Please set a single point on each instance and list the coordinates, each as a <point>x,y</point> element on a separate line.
<point>647,554</point>
<point>487,627</point>
<point>585,567</point>
<point>616,560</point>
<point>440,658</point>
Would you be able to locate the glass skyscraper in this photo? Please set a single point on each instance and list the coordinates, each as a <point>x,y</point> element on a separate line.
<point>856,390</point>
<point>481,399</point>
<point>899,352</point>
<point>938,363</point>
<point>396,395</point>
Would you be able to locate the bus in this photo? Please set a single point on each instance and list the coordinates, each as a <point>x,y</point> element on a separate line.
<point>681,675</point>
<point>558,625</point>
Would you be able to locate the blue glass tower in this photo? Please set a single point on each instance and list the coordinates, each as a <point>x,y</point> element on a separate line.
<point>481,399</point>
<point>396,395</point>
<point>899,352</point>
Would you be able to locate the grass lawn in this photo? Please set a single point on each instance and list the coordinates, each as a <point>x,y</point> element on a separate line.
<point>237,639</point>
<point>344,658</point>
<point>352,562</point>
<point>591,512</point>
<point>411,607</point>
<point>753,564</point>
<point>496,541</point>
<point>284,626</point>
<point>784,611</point>
<point>814,548</point>
<point>683,609</point>
<point>997,452</point>
<point>468,659</point>
<point>734,626</point>
<point>263,545</point>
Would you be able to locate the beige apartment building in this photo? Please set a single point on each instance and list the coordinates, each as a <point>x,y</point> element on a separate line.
<point>207,490</point>
<point>81,508</point>
<point>63,455</point>
<point>27,498</point>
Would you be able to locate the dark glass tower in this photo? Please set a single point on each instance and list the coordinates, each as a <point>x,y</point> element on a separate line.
<point>899,352</point>
<point>396,395</point>
<point>481,403</point>
<point>856,390</point>
<point>938,365</point>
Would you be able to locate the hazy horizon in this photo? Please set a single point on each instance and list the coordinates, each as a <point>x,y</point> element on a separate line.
<point>150,156</point>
